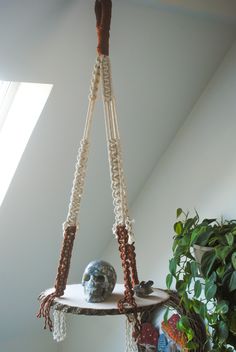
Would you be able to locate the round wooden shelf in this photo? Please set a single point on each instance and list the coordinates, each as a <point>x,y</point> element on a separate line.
<point>73,301</point>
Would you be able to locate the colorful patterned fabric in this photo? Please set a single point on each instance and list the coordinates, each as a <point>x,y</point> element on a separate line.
<point>148,336</point>
<point>162,343</point>
<point>170,328</point>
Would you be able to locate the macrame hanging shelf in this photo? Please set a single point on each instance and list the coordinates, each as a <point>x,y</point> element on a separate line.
<point>65,298</point>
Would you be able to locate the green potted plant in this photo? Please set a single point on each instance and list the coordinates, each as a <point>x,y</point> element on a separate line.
<point>203,268</point>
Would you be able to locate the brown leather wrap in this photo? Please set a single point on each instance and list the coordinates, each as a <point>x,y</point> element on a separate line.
<point>103,16</point>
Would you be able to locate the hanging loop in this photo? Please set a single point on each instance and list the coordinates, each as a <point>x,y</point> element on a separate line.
<point>103,17</point>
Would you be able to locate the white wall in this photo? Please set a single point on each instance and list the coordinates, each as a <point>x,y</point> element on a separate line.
<point>197,170</point>
<point>29,343</point>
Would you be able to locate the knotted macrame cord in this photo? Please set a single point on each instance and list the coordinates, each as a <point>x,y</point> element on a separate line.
<point>123,224</point>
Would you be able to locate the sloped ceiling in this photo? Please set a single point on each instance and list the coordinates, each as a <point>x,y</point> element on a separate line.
<point>221,10</point>
<point>162,59</point>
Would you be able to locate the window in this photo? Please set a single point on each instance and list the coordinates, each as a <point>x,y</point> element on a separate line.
<point>21,105</point>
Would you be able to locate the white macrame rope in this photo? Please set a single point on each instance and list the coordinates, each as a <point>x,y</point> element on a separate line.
<point>78,185</point>
<point>118,185</point>
<point>115,182</point>
<point>119,192</point>
<point>130,344</point>
<point>81,165</point>
<point>92,96</point>
<point>59,325</point>
<point>106,78</point>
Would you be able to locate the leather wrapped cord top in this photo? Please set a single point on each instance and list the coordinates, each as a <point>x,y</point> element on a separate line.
<point>103,16</point>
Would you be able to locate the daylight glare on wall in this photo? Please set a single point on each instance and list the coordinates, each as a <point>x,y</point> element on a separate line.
<point>21,105</point>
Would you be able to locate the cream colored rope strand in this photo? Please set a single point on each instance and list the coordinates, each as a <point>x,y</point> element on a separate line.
<point>115,182</point>
<point>80,168</point>
<point>130,344</point>
<point>119,190</point>
<point>59,331</point>
<point>59,326</point>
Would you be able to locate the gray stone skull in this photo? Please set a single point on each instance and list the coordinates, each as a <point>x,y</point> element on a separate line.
<point>99,280</point>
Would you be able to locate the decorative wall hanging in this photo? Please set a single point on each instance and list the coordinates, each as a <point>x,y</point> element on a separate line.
<point>122,300</point>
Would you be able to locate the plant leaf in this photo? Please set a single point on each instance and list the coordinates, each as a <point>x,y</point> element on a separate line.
<point>183,323</point>
<point>227,274</point>
<point>179,211</point>
<point>187,303</point>
<point>222,307</point>
<point>232,283</point>
<point>194,236</point>
<point>233,259</point>
<point>194,269</point>
<point>178,227</point>
<point>165,318</point>
<point>169,279</point>
<point>190,222</point>
<point>230,238</point>
<point>172,266</point>
<point>210,290</point>
<point>204,236</point>
<point>180,250</point>
<point>197,288</point>
<point>212,318</point>
<point>223,251</point>
<point>233,323</point>
<point>203,310</point>
<point>181,287</point>
<point>213,277</point>
<point>185,241</point>
<point>223,331</point>
<point>192,346</point>
<point>175,244</point>
<point>208,221</point>
<point>196,306</point>
<point>208,260</point>
<point>190,334</point>
<point>220,271</point>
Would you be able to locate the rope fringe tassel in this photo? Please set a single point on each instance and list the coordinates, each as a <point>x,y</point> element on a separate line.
<point>59,326</point>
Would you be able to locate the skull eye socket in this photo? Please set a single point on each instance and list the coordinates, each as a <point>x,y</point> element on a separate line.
<point>99,278</point>
<point>86,277</point>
